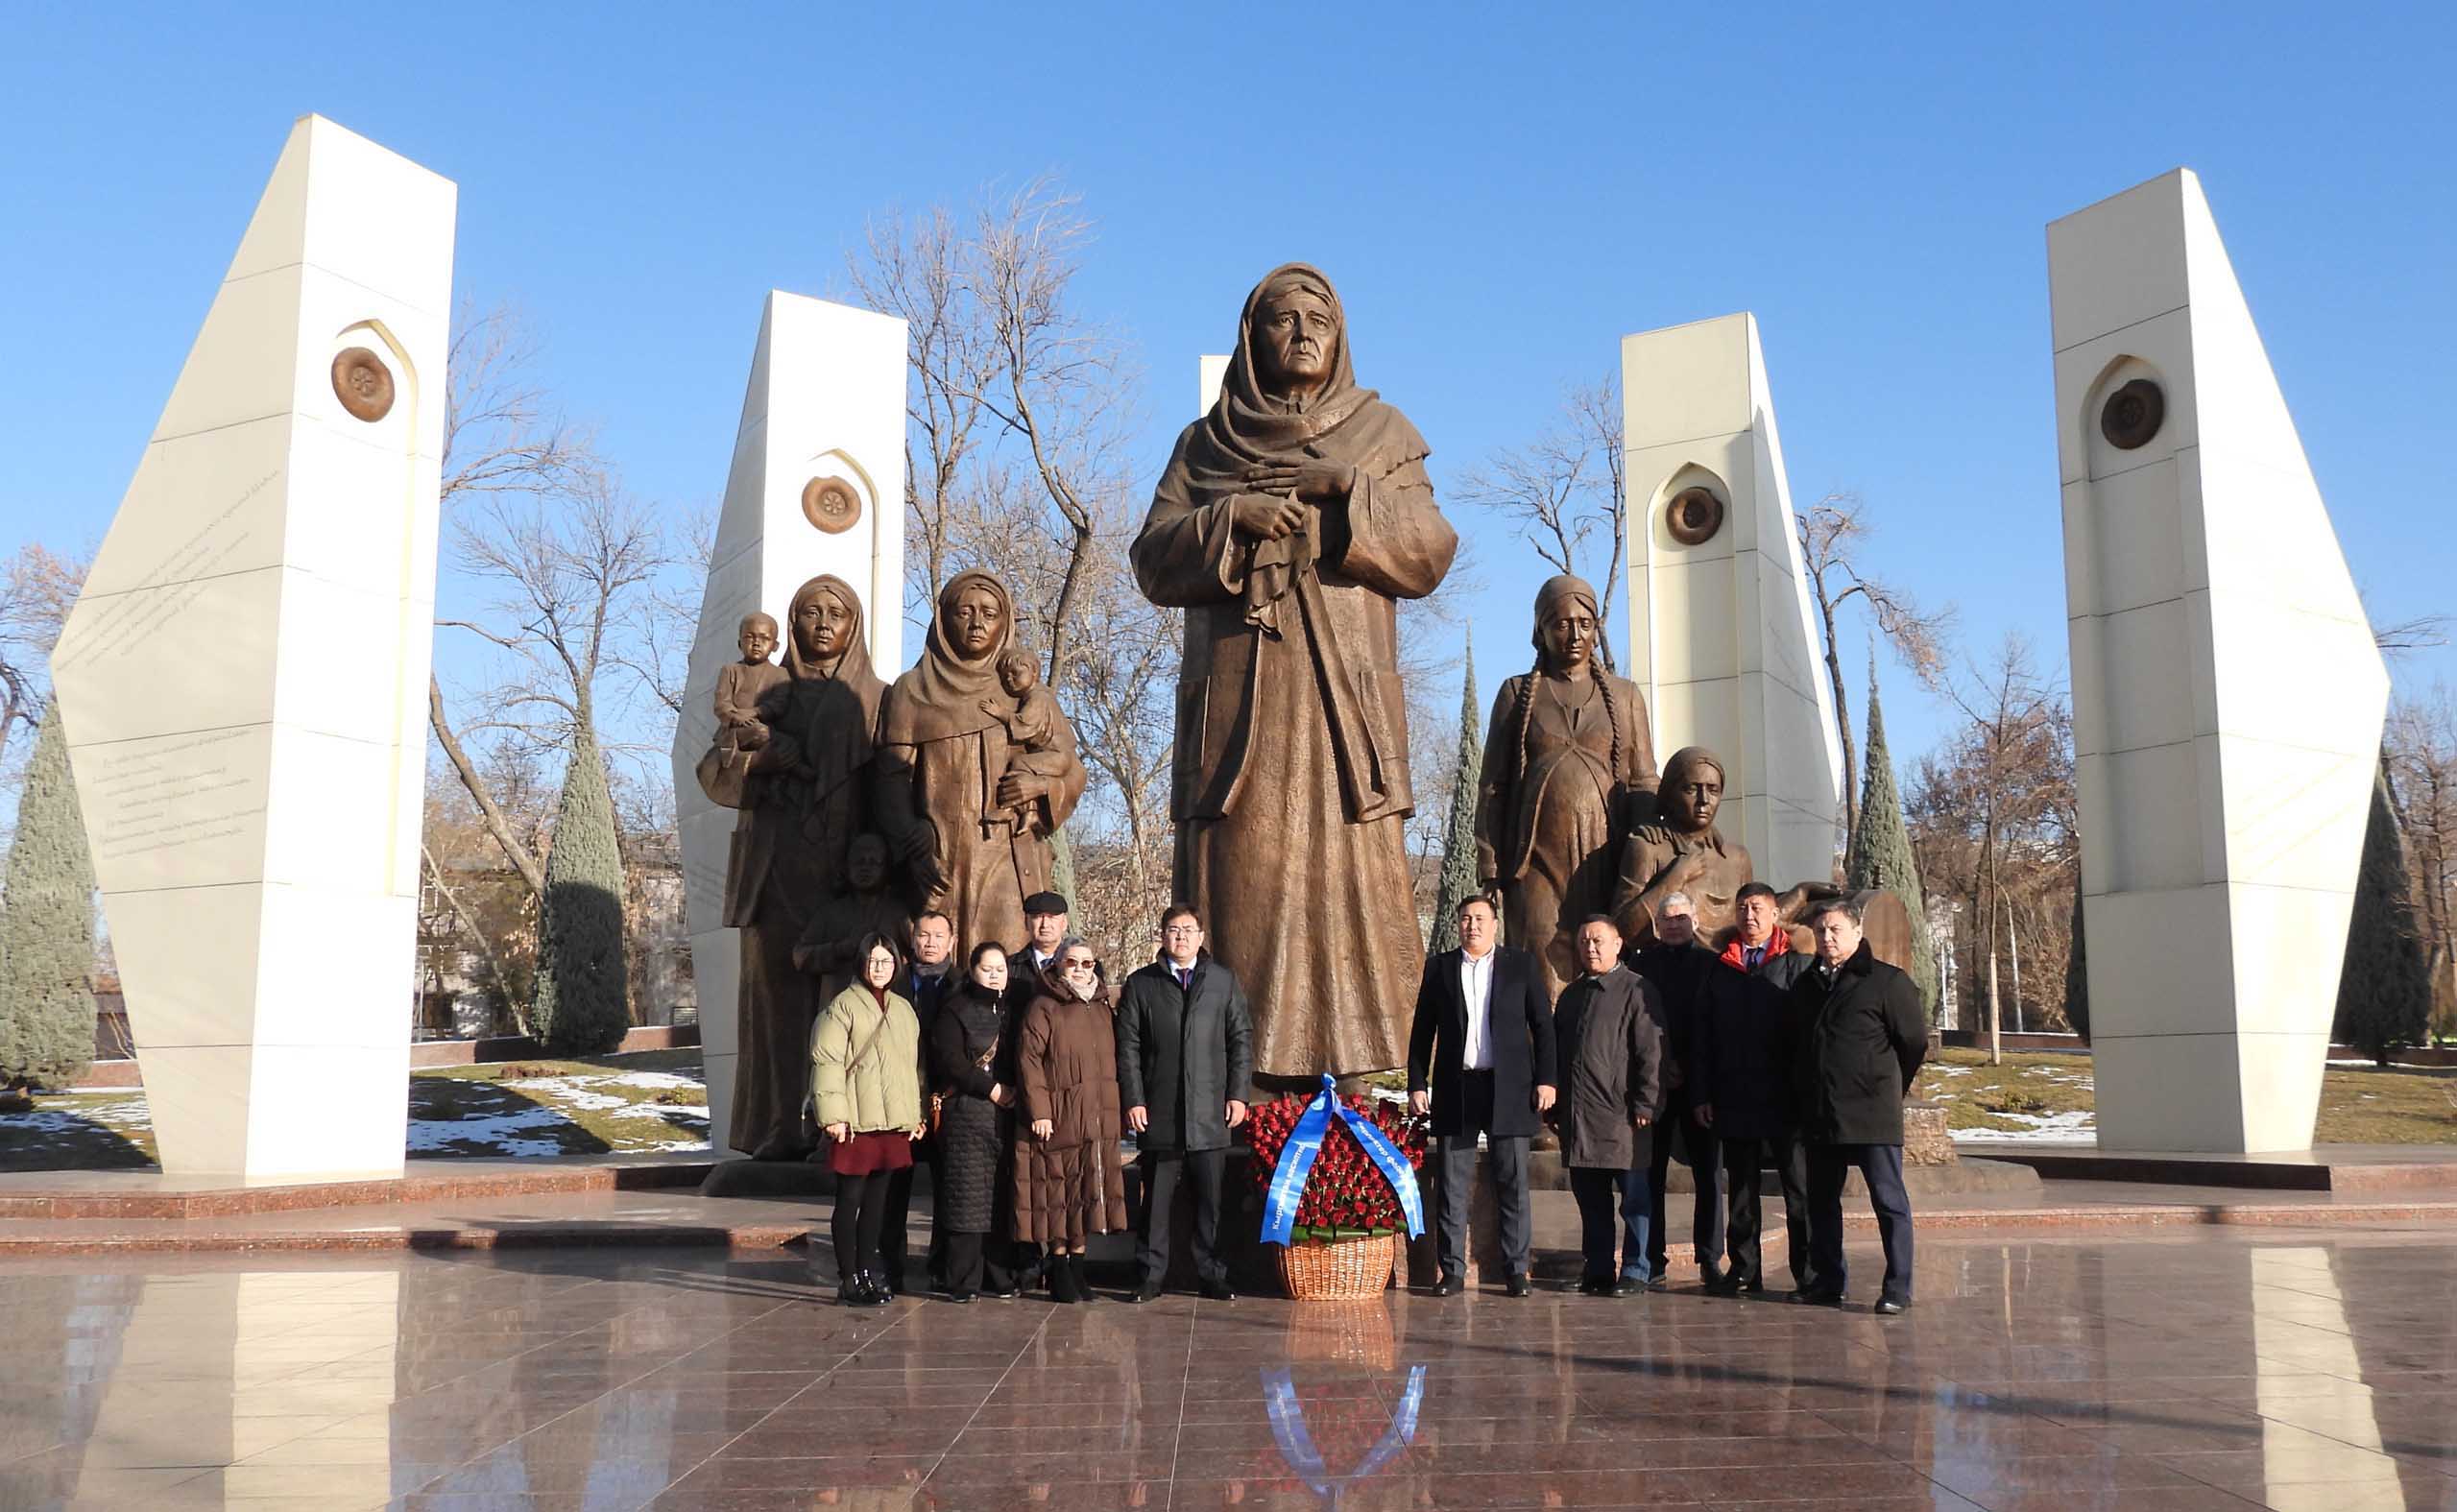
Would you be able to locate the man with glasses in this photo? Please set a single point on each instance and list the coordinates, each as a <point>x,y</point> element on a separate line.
<point>1184,1054</point>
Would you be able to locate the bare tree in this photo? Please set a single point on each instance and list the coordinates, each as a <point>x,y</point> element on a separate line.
<point>1564,487</point>
<point>1834,532</point>
<point>38,588</point>
<point>1992,817</point>
<point>2420,748</point>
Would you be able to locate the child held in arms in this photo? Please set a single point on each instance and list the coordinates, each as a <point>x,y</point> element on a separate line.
<point>1031,725</point>
<point>830,945</point>
<point>743,684</point>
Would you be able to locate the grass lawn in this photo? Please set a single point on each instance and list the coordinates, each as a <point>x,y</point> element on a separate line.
<point>2044,1095</point>
<point>648,1101</point>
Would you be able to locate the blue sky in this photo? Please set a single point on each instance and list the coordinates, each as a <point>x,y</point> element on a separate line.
<point>1499,197</point>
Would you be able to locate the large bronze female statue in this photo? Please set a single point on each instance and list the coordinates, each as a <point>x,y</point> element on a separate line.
<point>1569,763</point>
<point>969,812</point>
<point>1292,519</point>
<point>805,796</point>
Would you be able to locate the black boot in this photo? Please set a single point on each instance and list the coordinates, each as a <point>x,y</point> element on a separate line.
<point>853,1290</point>
<point>1064,1286</point>
<point>1075,1275</point>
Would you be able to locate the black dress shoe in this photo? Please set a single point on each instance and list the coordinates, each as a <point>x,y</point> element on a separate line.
<point>1516,1286</point>
<point>1145,1293</point>
<point>1887,1307</point>
<point>1604,1287</point>
<point>1820,1297</point>
<point>1721,1287</point>
<point>1447,1287</point>
<point>1658,1282</point>
<point>1217,1291</point>
<point>1750,1288</point>
<point>959,1296</point>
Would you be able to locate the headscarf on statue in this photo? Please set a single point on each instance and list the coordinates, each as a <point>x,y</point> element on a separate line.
<point>1558,591</point>
<point>1663,829</point>
<point>940,698</point>
<point>1339,423</point>
<point>832,712</point>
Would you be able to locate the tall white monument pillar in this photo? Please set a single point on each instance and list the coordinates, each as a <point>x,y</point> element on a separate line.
<point>817,486</point>
<point>2226,692</point>
<point>244,679</point>
<point>1721,641</point>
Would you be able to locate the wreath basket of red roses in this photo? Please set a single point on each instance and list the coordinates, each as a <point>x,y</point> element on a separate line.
<point>1345,1241</point>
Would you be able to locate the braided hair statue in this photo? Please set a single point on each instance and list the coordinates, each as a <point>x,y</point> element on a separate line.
<point>1568,759</point>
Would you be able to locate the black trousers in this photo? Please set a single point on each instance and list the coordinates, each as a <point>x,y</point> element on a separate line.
<point>892,1245</point>
<point>1881,1167</point>
<point>1703,1153</point>
<point>1744,1163</point>
<point>1163,1173</point>
<point>862,1205</point>
<point>968,1263</point>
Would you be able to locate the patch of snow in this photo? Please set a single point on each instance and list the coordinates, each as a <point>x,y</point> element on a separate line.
<point>506,1134</point>
<point>656,1079</point>
<point>2038,1128</point>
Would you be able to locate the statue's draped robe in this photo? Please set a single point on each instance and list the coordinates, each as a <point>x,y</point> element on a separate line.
<point>940,758</point>
<point>1552,808</point>
<point>789,855</point>
<point>1290,785</point>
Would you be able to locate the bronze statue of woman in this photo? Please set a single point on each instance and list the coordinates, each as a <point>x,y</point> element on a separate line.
<point>970,821</point>
<point>1569,765</point>
<point>1292,518</point>
<point>807,795</point>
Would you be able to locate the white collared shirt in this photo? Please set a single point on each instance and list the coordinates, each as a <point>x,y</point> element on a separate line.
<point>1476,986</point>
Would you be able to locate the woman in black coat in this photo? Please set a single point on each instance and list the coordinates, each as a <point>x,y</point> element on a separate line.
<point>975,1121</point>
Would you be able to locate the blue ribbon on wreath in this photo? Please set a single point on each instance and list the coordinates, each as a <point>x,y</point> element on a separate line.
<point>1305,1143</point>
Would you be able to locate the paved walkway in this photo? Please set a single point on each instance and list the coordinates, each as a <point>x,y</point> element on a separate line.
<point>2195,1368</point>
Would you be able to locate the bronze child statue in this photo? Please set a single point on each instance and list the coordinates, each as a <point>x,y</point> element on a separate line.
<point>742,684</point>
<point>838,925</point>
<point>1031,724</point>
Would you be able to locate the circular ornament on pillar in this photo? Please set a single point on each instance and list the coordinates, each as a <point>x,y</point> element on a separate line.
<point>2132,415</point>
<point>830,504</point>
<point>363,384</point>
<point>1694,516</point>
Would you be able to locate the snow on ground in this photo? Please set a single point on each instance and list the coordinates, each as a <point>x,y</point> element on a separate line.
<point>499,1134</point>
<point>2040,1128</point>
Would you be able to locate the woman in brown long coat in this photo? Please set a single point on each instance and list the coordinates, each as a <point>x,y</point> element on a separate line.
<point>1068,1185</point>
<point>1567,758</point>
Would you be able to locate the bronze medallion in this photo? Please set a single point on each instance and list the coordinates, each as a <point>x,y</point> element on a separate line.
<point>830,504</point>
<point>2133,415</point>
<point>1694,516</point>
<point>363,384</point>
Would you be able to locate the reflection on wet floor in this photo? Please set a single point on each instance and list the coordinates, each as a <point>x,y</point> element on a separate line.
<point>2213,1369</point>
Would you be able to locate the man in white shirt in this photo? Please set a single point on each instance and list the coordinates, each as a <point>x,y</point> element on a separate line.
<point>1480,1062</point>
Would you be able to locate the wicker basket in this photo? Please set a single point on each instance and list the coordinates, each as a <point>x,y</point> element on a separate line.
<point>1338,1269</point>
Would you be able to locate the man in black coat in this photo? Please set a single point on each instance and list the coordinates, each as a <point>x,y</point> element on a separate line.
<point>1611,1048</point>
<point>1860,1034</point>
<point>926,976</point>
<point>1740,1079</point>
<point>1184,1054</point>
<point>1480,1060</point>
<point>1676,964</point>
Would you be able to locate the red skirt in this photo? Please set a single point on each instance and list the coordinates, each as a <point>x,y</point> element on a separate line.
<point>882,1150</point>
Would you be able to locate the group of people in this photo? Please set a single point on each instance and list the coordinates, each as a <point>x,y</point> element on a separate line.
<point>1014,1077</point>
<point>1757,1054</point>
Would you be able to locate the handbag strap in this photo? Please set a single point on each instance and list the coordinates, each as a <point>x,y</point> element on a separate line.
<point>868,1039</point>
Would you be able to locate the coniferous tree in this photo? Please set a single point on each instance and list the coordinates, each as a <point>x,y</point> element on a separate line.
<point>2384,989</point>
<point>47,930</point>
<point>582,1003</point>
<point>1881,853</point>
<point>1458,854</point>
<point>2077,967</point>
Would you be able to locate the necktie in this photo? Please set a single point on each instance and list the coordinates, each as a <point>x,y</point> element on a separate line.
<point>1756,953</point>
<point>1184,977</point>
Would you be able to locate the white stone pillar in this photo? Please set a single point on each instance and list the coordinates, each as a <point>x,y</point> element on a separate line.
<point>825,405</point>
<point>1720,637</point>
<point>2226,693</point>
<point>244,679</point>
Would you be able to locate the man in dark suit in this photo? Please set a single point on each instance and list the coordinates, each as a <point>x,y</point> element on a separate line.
<point>1861,1032</point>
<point>1480,1060</point>
<point>1739,1080</point>
<point>1184,1054</point>
<point>1676,964</point>
<point>926,978</point>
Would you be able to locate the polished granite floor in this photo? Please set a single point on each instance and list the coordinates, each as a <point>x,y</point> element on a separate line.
<point>2296,1369</point>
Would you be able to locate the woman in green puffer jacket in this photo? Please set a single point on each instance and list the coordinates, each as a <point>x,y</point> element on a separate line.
<point>866,1092</point>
